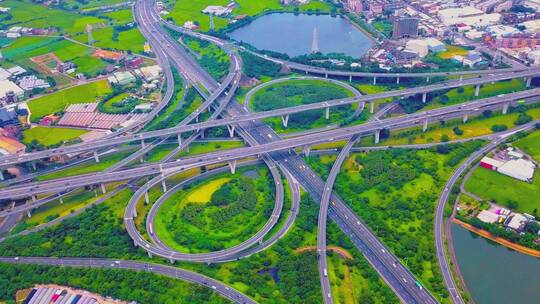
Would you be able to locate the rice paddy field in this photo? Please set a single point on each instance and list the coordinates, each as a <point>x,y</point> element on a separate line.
<point>50,136</point>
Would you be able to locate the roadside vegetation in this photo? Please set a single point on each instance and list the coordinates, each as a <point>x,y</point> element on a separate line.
<point>138,286</point>
<point>217,213</point>
<point>211,57</point>
<point>297,92</point>
<point>395,193</point>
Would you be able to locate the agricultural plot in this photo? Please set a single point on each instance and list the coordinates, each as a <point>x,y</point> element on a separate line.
<point>46,52</point>
<point>58,101</point>
<point>50,136</point>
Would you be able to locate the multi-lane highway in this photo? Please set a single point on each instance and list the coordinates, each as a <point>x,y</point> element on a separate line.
<point>169,271</point>
<point>276,144</point>
<point>284,112</point>
<point>323,217</point>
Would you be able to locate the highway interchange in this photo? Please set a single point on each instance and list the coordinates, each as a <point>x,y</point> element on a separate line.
<point>276,152</point>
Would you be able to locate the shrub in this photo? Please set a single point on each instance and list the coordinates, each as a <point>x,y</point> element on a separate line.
<point>499,128</point>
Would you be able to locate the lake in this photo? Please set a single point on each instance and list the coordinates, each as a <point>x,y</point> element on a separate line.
<point>293,34</point>
<point>493,273</point>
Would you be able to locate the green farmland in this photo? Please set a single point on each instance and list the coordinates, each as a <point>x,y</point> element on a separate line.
<point>58,101</point>
<point>50,136</point>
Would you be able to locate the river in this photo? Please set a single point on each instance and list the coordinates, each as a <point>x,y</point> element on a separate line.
<point>293,34</point>
<point>493,273</point>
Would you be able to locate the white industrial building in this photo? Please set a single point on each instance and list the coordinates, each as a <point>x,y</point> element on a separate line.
<point>521,169</point>
<point>7,86</point>
<point>423,46</point>
<point>467,15</point>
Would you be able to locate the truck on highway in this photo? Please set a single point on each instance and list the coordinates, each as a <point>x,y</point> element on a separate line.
<point>325,272</point>
<point>418,285</point>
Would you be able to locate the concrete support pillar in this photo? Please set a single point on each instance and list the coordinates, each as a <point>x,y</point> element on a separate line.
<point>372,107</point>
<point>325,75</point>
<point>327,113</point>
<point>397,80</point>
<point>465,117</point>
<point>28,213</point>
<point>134,213</point>
<point>306,150</point>
<point>427,79</point>
<point>34,198</point>
<point>141,159</point>
<point>231,131</point>
<point>61,200</point>
<point>460,78</point>
<point>529,80</point>
<point>285,120</point>
<point>34,165</point>
<point>232,166</point>
<point>197,118</point>
<point>146,198</point>
<point>505,108</point>
<point>143,144</point>
<point>149,254</point>
<point>377,136</point>
<point>374,80</point>
<point>164,186</point>
<point>424,127</point>
<point>103,189</point>
<point>424,97</point>
<point>1,174</point>
<point>477,91</point>
<point>179,138</point>
<point>202,133</point>
<point>96,156</point>
<point>350,78</point>
<point>171,261</point>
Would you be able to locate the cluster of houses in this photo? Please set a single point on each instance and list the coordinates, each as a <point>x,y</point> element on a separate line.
<point>510,220</point>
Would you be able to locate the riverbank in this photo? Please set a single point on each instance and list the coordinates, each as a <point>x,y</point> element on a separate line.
<point>499,240</point>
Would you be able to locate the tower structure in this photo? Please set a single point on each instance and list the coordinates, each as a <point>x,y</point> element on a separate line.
<point>315,42</point>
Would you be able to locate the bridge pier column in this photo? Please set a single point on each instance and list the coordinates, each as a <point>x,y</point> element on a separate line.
<point>306,150</point>
<point>134,213</point>
<point>231,131</point>
<point>505,108</point>
<point>374,80</point>
<point>427,79</point>
<point>327,113</point>
<point>179,138</point>
<point>461,78</point>
<point>34,165</point>
<point>149,254</point>
<point>325,75</point>
<point>371,107</point>
<point>465,117</point>
<point>285,120</point>
<point>477,91</point>
<point>141,159</point>
<point>146,198</point>
<point>34,198</point>
<point>28,213</point>
<point>350,78</point>
<point>61,200</point>
<point>424,97</point>
<point>1,174</point>
<point>529,80</point>
<point>397,80</point>
<point>377,136</point>
<point>197,118</point>
<point>232,166</point>
<point>171,261</point>
<point>164,186</point>
<point>143,144</point>
<point>103,189</point>
<point>424,127</point>
<point>202,133</point>
<point>96,156</point>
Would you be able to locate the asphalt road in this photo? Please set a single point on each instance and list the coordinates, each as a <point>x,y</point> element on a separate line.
<point>168,271</point>
<point>443,200</point>
<point>284,112</point>
<point>323,218</point>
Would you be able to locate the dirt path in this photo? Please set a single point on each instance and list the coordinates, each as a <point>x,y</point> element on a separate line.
<point>341,251</point>
<point>504,242</point>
